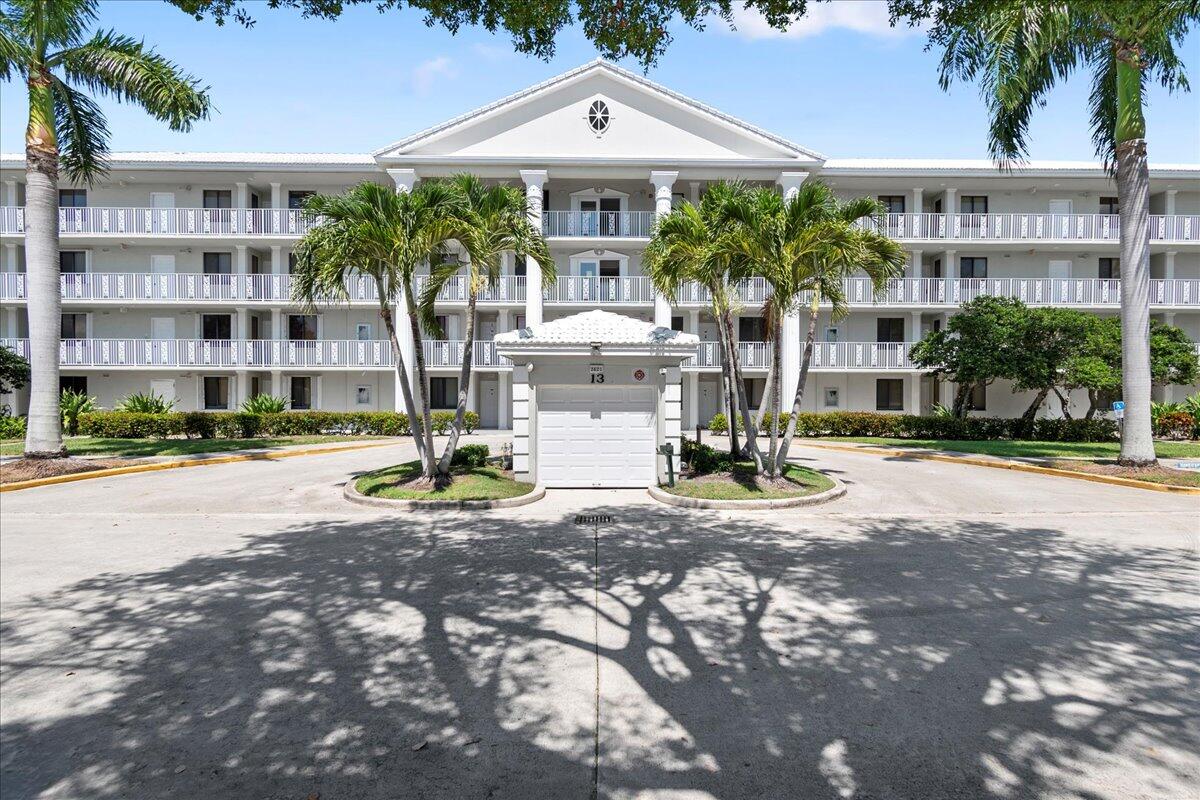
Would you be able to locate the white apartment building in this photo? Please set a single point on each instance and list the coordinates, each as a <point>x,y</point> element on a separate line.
<point>175,270</point>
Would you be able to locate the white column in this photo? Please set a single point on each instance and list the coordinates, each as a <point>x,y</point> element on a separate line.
<point>10,322</point>
<point>790,358</point>
<point>914,394</point>
<point>10,256</point>
<point>10,193</point>
<point>408,348</point>
<point>524,466</point>
<point>277,265</point>
<point>918,199</point>
<point>240,326</point>
<point>241,196</point>
<point>404,179</point>
<point>948,205</point>
<point>535,183</point>
<point>472,404</point>
<point>241,387</point>
<point>502,321</point>
<point>949,273</point>
<point>947,387</point>
<point>1169,208</point>
<point>504,417</point>
<point>277,383</point>
<point>672,399</point>
<point>694,197</point>
<point>663,183</point>
<point>277,198</point>
<point>1169,264</point>
<point>693,404</point>
<point>789,183</point>
<point>276,324</point>
<point>915,266</point>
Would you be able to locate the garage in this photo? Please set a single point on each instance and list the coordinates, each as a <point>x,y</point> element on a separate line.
<point>596,437</point>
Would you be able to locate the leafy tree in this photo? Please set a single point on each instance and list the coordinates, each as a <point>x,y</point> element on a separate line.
<point>496,221</point>
<point>1172,356</point>
<point>14,371</point>
<point>984,341</point>
<point>45,43</point>
<point>638,28</point>
<point>1051,337</point>
<point>1018,51</point>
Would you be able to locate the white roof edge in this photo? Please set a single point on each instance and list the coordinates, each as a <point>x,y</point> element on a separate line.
<point>597,325</point>
<point>868,166</point>
<point>604,64</point>
<point>216,160</point>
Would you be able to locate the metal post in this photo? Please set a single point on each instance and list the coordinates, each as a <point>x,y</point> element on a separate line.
<point>668,450</point>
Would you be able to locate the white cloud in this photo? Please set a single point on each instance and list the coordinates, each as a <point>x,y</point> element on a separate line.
<point>868,17</point>
<point>429,72</point>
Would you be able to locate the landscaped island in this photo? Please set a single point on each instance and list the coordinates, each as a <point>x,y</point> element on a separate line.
<point>476,477</point>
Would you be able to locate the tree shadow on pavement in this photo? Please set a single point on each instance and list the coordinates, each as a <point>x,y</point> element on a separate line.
<point>455,656</point>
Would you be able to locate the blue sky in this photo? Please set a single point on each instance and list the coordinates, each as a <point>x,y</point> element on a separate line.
<point>844,84</point>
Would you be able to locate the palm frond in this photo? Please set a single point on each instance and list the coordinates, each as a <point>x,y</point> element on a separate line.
<point>82,132</point>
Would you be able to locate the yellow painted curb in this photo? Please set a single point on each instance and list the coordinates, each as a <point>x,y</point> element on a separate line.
<point>1016,466</point>
<point>195,462</point>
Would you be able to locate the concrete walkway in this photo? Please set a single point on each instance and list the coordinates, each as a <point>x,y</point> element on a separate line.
<point>943,631</point>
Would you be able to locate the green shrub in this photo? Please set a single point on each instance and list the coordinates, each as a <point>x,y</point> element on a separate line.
<point>703,459</point>
<point>12,427</point>
<point>265,404</point>
<point>1175,425</point>
<point>146,403</point>
<point>784,418</point>
<point>470,455</point>
<point>719,424</point>
<point>470,422</point>
<point>130,425</point>
<point>441,422</point>
<point>71,404</point>
<point>199,424</point>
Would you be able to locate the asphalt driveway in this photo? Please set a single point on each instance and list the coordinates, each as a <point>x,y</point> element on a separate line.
<point>944,631</point>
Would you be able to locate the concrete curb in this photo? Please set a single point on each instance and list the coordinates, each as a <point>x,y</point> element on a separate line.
<point>1016,466</point>
<point>834,493</point>
<point>264,455</point>
<point>351,493</point>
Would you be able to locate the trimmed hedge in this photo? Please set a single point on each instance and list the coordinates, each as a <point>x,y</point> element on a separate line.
<point>470,455</point>
<point>244,425</point>
<point>910,426</point>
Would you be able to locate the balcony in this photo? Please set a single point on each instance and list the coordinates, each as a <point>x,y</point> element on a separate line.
<point>449,352</point>
<point>752,291</point>
<point>1082,228</point>
<point>597,224</point>
<point>509,289</point>
<point>578,289</point>
<point>183,222</point>
<point>218,353</point>
<point>751,355</point>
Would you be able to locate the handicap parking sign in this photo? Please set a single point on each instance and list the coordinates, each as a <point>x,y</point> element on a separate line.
<point>1119,408</point>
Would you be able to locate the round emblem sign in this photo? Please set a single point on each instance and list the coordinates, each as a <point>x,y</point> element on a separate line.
<point>639,375</point>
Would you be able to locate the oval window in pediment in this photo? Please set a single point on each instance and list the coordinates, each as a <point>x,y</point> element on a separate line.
<point>598,117</point>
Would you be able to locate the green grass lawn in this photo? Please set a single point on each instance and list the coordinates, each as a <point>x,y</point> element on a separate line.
<point>1010,449</point>
<point>131,448</point>
<point>741,485</point>
<point>470,483</point>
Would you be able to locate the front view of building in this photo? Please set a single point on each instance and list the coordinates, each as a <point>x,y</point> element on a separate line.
<point>176,270</point>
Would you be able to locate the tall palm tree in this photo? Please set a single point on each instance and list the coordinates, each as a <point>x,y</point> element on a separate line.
<point>497,222</point>
<point>45,43</point>
<point>693,243</point>
<point>373,230</point>
<point>1018,51</point>
<point>812,243</point>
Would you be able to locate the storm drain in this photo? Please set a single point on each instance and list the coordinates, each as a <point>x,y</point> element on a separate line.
<point>592,519</point>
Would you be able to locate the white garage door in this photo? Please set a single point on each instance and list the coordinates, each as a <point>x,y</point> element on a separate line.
<point>596,436</point>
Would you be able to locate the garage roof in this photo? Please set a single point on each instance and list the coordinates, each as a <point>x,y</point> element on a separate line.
<point>604,327</point>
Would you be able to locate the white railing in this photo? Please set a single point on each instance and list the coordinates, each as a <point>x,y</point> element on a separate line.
<point>751,291</point>
<point>509,289</point>
<point>1035,227</point>
<point>751,355</point>
<point>235,353</point>
<point>861,355</point>
<point>580,289</point>
<point>1175,227</point>
<point>636,224</point>
<point>449,353</point>
<point>102,221</point>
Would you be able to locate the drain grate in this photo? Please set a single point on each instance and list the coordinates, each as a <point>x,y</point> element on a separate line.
<point>592,519</point>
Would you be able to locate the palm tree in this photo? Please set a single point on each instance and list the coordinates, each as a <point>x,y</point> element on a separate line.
<point>1019,51</point>
<point>693,243</point>
<point>373,230</point>
<point>44,42</point>
<point>812,243</point>
<point>497,221</point>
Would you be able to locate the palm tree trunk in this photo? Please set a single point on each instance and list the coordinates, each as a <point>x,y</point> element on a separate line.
<point>464,382</point>
<point>401,373</point>
<point>805,363</point>
<point>768,389</point>
<point>1133,189</point>
<point>43,436</point>
<point>727,387</point>
<point>743,405</point>
<point>775,395</point>
<point>422,384</point>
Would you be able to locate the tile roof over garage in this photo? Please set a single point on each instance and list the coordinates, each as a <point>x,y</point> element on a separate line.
<point>596,326</point>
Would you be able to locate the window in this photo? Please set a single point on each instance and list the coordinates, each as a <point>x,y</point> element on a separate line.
<point>893,203</point>
<point>255,329</point>
<point>519,322</point>
<point>218,263</point>
<point>72,261</point>
<point>752,329</point>
<point>296,199</point>
<point>1110,268</point>
<point>832,398</point>
<point>889,394</point>
<point>832,334</point>
<point>362,331</point>
<point>291,263</point>
<point>362,395</point>
<point>301,392</point>
<point>74,383</point>
<point>443,325</point>
<point>1110,205</point>
<point>74,326</point>
<point>72,198</point>
<point>937,268</point>
<point>754,391</point>
<point>545,199</point>
<point>598,117</point>
<point>218,198</point>
<point>443,392</point>
<point>973,204</point>
<point>216,394</point>
<point>302,327</point>
<point>978,399</point>
<point>677,324</point>
<point>519,267</point>
<point>972,267</point>
<point>889,329</point>
<point>255,386</point>
<point>216,327</point>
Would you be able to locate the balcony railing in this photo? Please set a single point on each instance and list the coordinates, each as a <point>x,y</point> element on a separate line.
<point>1036,227</point>
<point>509,289</point>
<point>104,221</point>
<point>751,355</point>
<point>751,291</point>
<point>581,289</point>
<point>449,353</point>
<point>216,353</point>
<point>597,224</point>
<point>861,355</point>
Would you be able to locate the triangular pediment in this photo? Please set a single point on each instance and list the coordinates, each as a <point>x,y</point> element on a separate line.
<point>645,121</point>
